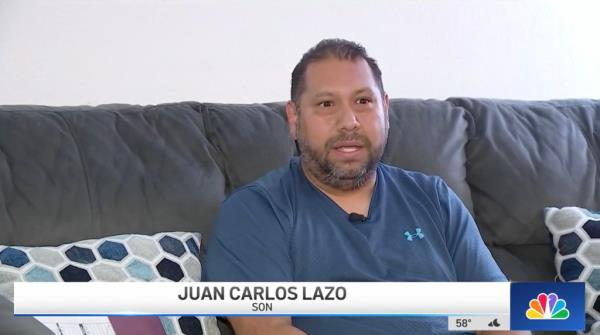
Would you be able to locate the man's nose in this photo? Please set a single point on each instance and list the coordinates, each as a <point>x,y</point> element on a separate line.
<point>348,119</point>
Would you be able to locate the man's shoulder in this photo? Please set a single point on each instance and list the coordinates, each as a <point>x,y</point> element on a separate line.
<point>406,178</point>
<point>273,184</point>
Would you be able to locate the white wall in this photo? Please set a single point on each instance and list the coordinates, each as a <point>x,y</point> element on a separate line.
<point>71,52</point>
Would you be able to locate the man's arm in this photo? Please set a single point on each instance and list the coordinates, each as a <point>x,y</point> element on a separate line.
<point>473,261</point>
<point>250,243</point>
<point>261,325</point>
<point>283,325</point>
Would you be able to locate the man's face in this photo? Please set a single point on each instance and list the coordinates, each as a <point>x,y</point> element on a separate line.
<point>341,122</point>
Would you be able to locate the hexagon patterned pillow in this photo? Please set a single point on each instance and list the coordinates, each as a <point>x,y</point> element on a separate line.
<point>173,256</point>
<point>575,235</point>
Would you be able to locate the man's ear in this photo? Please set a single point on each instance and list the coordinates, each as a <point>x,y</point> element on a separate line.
<point>292,117</point>
<point>386,109</point>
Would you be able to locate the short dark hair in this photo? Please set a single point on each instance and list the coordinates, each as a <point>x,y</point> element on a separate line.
<point>337,48</point>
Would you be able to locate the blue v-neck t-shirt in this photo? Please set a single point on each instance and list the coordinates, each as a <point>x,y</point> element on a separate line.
<point>282,228</point>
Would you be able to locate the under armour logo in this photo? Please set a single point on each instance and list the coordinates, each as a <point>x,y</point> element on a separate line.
<point>417,234</point>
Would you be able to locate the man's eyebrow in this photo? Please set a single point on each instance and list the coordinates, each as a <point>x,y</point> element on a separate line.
<point>364,90</point>
<point>323,94</point>
<point>329,94</point>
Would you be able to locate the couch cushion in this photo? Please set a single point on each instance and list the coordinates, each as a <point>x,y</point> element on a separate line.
<point>524,156</point>
<point>170,256</point>
<point>430,136</point>
<point>85,172</point>
<point>42,182</point>
<point>252,139</point>
<point>575,234</point>
<point>528,262</point>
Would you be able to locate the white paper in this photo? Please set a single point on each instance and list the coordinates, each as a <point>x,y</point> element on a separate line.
<point>98,325</point>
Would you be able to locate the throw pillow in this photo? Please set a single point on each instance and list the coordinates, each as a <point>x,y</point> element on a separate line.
<point>575,234</point>
<point>173,256</point>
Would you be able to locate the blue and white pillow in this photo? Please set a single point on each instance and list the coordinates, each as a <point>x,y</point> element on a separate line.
<point>173,256</point>
<point>576,238</point>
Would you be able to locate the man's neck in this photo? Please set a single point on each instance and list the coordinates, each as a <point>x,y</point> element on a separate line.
<point>352,201</point>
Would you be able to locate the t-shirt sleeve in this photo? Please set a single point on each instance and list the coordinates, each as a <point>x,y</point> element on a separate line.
<point>472,259</point>
<point>249,242</point>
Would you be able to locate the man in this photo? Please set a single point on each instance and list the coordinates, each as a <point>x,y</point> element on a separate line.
<point>336,213</point>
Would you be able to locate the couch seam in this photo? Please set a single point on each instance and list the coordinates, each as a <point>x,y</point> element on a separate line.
<point>471,132</point>
<point>220,161</point>
<point>470,129</point>
<point>11,220</point>
<point>591,145</point>
<point>83,165</point>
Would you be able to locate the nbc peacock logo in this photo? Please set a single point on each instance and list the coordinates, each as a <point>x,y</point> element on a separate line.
<point>547,307</point>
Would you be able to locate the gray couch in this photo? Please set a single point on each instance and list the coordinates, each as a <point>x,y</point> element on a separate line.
<point>72,173</point>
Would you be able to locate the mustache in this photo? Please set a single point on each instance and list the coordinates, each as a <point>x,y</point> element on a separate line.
<point>330,143</point>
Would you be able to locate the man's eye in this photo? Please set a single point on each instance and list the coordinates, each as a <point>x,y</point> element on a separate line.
<point>363,101</point>
<point>326,103</point>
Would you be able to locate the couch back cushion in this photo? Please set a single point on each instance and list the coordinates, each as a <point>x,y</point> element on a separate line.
<point>523,157</point>
<point>430,136</point>
<point>252,139</point>
<point>71,173</point>
<point>425,135</point>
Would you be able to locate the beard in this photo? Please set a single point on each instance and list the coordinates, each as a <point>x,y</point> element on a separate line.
<point>333,174</point>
